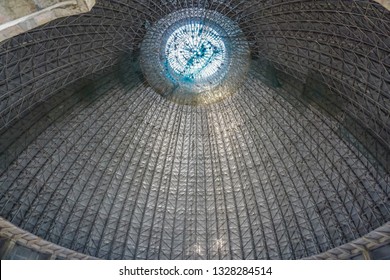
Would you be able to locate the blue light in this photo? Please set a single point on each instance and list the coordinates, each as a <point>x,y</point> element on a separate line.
<point>195,52</point>
<point>195,56</point>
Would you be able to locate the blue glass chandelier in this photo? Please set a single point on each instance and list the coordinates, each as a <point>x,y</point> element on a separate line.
<point>195,52</point>
<point>188,58</point>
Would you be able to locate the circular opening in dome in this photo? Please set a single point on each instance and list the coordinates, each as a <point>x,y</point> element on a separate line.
<point>195,52</point>
<point>195,56</point>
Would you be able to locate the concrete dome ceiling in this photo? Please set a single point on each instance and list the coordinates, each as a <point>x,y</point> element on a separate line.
<point>291,165</point>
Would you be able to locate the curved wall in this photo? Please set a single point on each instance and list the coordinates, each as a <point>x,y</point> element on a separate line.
<point>292,165</point>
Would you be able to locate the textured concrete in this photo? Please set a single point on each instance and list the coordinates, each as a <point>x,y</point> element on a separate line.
<point>20,16</point>
<point>30,243</point>
<point>384,3</point>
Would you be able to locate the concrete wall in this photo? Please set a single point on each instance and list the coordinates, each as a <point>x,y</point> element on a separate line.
<point>17,244</point>
<point>385,3</point>
<point>20,16</point>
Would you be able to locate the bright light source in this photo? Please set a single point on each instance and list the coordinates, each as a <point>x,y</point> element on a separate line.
<point>195,56</point>
<point>195,51</point>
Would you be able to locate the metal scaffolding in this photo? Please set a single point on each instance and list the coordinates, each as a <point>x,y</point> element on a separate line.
<point>292,165</point>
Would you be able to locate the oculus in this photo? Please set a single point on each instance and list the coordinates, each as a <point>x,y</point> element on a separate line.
<point>195,56</point>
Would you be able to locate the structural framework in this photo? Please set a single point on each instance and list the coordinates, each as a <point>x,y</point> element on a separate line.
<point>100,157</point>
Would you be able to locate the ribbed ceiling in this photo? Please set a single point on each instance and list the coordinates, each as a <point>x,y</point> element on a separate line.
<point>295,163</point>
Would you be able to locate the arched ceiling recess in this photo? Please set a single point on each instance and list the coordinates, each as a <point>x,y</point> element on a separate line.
<point>293,164</point>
